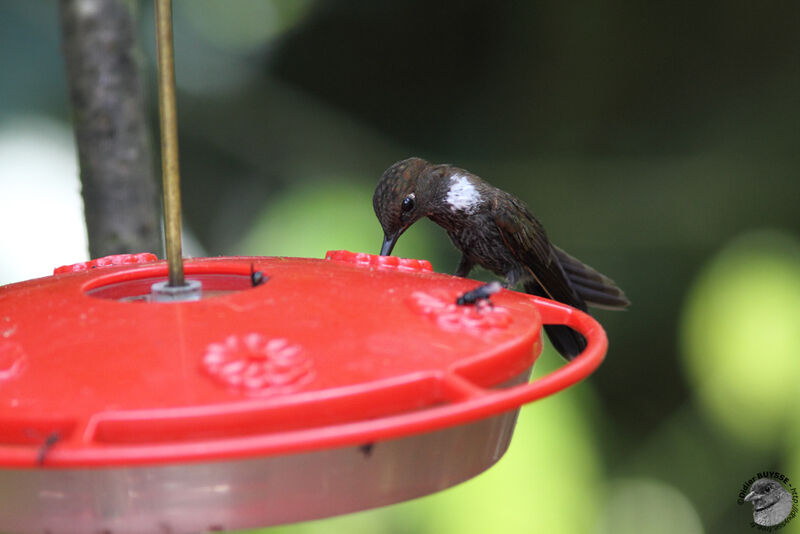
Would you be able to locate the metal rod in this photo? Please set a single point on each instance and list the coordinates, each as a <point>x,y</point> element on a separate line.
<point>169,141</point>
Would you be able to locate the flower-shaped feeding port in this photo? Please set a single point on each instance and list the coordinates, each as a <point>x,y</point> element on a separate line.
<point>107,261</point>
<point>253,364</point>
<point>476,319</point>
<point>386,262</point>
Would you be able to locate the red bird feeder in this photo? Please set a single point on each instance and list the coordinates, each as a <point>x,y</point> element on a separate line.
<point>333,386</point>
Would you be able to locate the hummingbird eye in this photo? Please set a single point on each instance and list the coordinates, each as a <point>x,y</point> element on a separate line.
<point>408,203</point>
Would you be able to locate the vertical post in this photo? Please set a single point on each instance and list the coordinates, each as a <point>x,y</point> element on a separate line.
<point>169,141</point>
<point>104,77</point>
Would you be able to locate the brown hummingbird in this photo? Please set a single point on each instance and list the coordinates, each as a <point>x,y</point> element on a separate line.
<point>495,230</point>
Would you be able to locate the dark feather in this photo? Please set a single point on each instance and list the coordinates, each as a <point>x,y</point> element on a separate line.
<point>565,340</point>
<point>530,246</point>
<point>594,288</point>
<point>527,242</point>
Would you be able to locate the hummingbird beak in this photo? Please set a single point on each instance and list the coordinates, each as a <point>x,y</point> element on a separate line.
<point>389,242</point>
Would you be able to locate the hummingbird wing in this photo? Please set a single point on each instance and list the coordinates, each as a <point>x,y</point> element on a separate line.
<point>527,242</point>
<point>595,288</point>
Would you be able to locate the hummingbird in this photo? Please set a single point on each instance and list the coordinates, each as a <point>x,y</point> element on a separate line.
<point>495,230</point>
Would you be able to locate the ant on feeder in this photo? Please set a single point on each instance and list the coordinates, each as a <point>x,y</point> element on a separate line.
<point>480,293</point>
<point>257,277</point>
<point>49,442</point>
<point>366,449</point>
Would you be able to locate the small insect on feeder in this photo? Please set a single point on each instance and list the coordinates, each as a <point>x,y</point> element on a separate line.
<point>282,390</point>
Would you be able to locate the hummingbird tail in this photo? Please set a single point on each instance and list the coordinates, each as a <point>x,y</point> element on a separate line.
<point>565,340</point>
<point>594,288</point>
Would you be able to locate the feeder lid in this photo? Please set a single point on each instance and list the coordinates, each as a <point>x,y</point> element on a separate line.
<point>351,349</point>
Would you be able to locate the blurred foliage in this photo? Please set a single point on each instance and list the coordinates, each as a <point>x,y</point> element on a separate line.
<point>741,331</point>
<point>656,141</point>
<point>636,506</point>
<point>249,26</point>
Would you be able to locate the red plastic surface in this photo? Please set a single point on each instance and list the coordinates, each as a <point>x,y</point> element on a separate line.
<point>326,353</point>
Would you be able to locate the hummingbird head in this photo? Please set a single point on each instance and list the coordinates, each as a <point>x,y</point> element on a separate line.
<point>413,188</point>
<point>401,198</point>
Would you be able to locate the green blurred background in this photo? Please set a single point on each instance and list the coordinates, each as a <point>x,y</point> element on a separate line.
<point>658,142</point>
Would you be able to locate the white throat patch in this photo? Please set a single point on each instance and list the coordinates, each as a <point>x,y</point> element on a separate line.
<point>462,195</point>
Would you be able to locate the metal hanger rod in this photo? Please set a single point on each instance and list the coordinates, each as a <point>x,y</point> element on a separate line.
<point>169,141</point>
